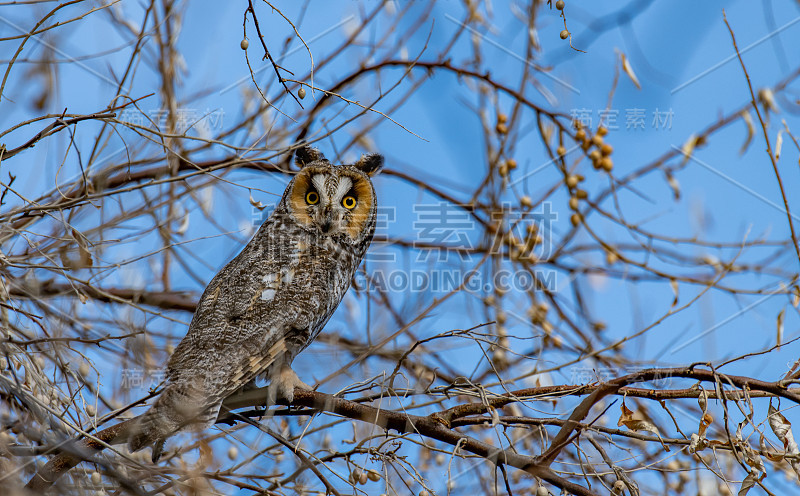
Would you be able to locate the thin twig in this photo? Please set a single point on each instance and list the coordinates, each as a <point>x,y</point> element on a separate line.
<point>267,55</point>
<point>766,139</point>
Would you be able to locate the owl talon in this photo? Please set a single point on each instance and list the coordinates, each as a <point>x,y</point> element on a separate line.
<point>283,383</point>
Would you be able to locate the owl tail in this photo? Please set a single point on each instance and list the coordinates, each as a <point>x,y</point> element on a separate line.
<point>171,412</point>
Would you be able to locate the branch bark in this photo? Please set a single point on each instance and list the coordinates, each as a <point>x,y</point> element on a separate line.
<point>436,426</point>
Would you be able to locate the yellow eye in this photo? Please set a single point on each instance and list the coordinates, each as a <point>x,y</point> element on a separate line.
<point>349,202</point>
<point>312,198</point>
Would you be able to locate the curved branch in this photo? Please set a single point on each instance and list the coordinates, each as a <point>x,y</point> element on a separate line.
<point>429,426</point>
<point>435,426</point>
<point>612,387</point>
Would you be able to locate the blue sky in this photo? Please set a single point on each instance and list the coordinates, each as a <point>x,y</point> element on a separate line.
<point>725,195</point>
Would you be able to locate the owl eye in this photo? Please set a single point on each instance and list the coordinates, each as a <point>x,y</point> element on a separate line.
<point>349,202</point>
<point>312,198</point>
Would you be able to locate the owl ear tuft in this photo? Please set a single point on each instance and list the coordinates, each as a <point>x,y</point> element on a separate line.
<point>370,164</point>
<point>307,154</point>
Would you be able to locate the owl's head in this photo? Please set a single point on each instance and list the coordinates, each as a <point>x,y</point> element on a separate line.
<point>334,200</point>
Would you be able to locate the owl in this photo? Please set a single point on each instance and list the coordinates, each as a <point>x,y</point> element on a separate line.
<point>268,303</point>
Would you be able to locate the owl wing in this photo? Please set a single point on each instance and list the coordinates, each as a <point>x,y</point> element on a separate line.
<point>243,320</point>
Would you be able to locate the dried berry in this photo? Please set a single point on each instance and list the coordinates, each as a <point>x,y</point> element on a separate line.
<point>573,203</point>
<point>572,181</point>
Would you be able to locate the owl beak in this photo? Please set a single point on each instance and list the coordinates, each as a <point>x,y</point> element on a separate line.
<point>327,220</point>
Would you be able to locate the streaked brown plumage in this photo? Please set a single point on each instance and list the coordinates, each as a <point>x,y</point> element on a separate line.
<point>267,304</point>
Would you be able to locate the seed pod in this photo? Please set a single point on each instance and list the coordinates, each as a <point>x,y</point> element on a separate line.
<point>244,44</point>
<point>500,318</point>
<point>34,433</point>
<point>564,34</point>
<point>594,155</point>
<point>573,203</point>
<point>572,181</point>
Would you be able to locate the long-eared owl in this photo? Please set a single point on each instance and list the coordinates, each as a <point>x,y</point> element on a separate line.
<point>267,304</point>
